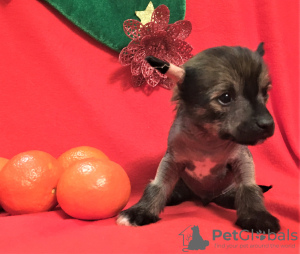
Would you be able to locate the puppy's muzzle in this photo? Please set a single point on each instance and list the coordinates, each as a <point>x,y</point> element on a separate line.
<point>253,130</point>
<point>257,130</point>
<point>264,122</point>
<point>266,125</point>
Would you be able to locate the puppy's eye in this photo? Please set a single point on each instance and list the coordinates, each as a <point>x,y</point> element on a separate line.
<point>225,99</point>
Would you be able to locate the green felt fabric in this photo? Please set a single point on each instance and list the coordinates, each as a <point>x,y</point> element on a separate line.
<point>103,19</point>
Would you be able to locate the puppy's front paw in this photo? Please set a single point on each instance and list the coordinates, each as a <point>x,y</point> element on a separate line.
<point>262,220</point>
<point>136,216</point>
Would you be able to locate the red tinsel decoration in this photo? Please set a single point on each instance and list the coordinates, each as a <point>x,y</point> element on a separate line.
<point>157,38</point>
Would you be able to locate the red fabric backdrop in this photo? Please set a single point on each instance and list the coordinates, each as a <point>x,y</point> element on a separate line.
<point>61,89</point>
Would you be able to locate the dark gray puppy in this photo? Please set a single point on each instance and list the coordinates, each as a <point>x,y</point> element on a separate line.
<point>221,97</point>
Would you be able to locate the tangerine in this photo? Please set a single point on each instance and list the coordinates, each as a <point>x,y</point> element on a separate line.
<point>93,189</point>
<point>28,183</point>
<point>80,153</point>
<point>3,161</point>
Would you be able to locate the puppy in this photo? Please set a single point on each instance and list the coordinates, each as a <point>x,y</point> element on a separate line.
<point>221,97</point>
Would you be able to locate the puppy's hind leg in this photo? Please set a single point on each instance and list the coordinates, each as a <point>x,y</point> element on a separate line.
<point>155,195</point>
<point>180,194</point>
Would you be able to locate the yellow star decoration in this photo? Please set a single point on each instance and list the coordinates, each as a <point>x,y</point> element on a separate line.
<point>145,16</point>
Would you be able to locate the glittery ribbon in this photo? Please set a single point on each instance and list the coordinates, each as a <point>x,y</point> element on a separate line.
<point>156,38</point>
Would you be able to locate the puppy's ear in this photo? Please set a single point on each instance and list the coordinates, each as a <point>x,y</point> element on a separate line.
<point>260,49</point>
<point>170,70</point>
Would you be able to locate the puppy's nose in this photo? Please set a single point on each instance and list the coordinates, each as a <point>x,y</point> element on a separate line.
<point>266,123</point>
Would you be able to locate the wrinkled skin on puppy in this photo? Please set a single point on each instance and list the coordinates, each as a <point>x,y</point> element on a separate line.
<point>221,108</point>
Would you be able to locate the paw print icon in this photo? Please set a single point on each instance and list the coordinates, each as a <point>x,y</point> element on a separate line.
<point>260,235</point>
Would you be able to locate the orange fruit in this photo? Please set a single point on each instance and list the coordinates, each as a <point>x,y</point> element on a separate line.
<point>3,161</point>
<point>93,189</point>
<point>80,153</point>
<point>28,183</point>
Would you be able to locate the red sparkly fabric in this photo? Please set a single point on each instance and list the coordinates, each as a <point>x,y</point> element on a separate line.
<point>156,38</point>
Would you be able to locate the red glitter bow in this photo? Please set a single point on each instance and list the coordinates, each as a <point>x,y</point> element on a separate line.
<point>155,38</point>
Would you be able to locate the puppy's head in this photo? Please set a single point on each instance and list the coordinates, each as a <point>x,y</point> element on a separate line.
<point>224,91</point>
